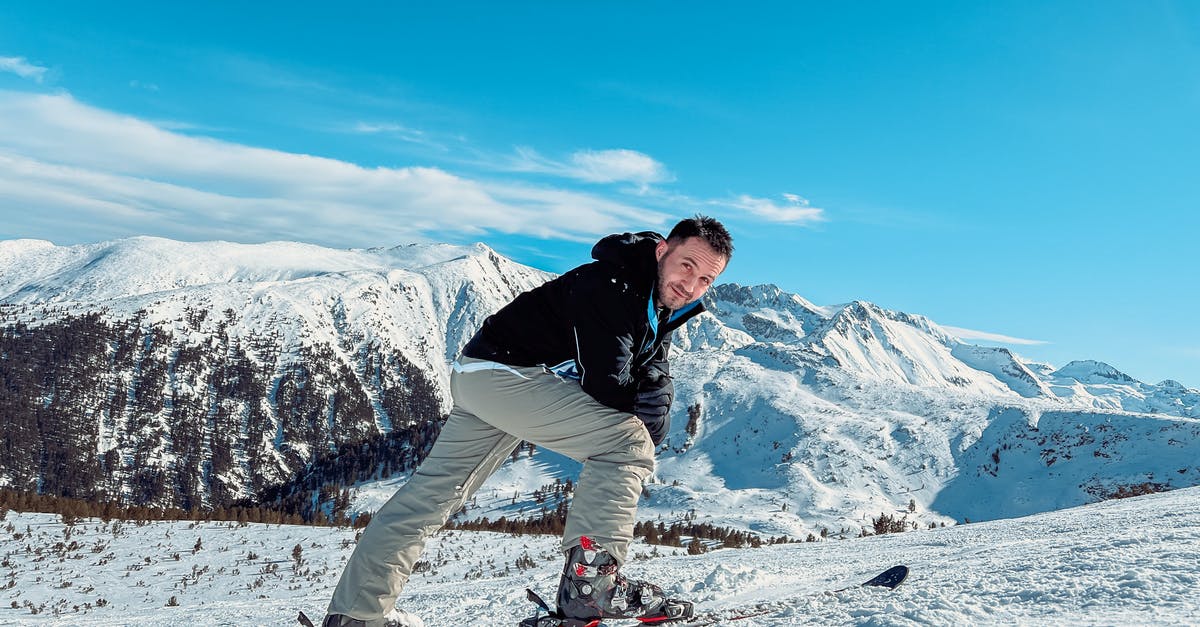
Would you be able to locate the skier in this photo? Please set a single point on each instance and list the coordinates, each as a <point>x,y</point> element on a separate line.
<point>577,365</point>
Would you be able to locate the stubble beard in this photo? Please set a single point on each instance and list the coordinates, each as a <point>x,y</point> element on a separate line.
<point>667,297</point>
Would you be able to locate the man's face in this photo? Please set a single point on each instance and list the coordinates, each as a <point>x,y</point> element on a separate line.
<point>685,271</point>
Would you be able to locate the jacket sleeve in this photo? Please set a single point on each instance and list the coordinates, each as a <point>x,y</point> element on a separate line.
<point>604,327</point>
<point>608,326</point>
<point>655,390</point>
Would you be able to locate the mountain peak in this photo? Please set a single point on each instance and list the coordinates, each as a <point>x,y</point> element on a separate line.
<point>1092,371</point>
<point>745,294</point>
<point>1172,385</point>
<point>764,295</point>
<point>20,245</point>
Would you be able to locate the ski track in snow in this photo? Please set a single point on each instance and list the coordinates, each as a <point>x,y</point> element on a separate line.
<point>1124,562</point>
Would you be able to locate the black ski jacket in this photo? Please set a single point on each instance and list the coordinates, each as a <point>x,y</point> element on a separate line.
<point>596,323</point>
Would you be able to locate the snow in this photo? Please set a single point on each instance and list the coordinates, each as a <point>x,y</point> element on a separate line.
<point>1129,561</point>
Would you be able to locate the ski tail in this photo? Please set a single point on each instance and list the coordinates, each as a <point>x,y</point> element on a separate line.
<point>551,619</point>
<point>533,596</point>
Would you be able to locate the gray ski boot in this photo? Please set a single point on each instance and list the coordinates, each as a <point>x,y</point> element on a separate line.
<point>592,588</point>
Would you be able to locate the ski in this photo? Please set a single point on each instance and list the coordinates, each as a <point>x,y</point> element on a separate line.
<point>888,580</point>
<point>304,620</point>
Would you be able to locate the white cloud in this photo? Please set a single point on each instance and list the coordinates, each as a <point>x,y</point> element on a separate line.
<point>397,131</point>
<point>971,334</point>
<point>609,166</point>
<point>794,210</point>
<point>22,68</point>
<point>383,127</point>
<point>618,165</point>
<point>66,163</point>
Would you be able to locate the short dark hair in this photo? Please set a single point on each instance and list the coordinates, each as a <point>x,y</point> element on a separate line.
<point>708,229</point>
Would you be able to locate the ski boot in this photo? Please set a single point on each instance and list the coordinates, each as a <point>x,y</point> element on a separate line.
<point>592,588</point>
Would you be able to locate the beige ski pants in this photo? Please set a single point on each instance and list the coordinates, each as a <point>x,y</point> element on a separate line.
<point>495,407</point>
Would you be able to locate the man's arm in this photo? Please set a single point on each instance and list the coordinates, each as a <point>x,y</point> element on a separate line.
<point>655,391</point>
<point>604,340</point>
<point>604,324</point>
<point>608,325</point>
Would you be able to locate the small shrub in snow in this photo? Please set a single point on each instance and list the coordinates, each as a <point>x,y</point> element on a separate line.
<point>1140,489</point>
<point>889,524</point>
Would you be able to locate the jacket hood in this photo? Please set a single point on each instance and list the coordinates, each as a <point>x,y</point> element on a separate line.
<point>630,250</point>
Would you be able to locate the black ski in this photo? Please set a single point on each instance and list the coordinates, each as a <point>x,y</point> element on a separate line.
<point>888,580</point>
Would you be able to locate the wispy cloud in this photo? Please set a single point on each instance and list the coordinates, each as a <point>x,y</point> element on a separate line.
<point>635,174</point>
<point>398,131</point>
<point>111,174</point>
<point>73,172</point>
<point>793,210</point>
<point>255,72</point>
<point>683,100</point>
<point>23,68</point>
<point>619,165</point>
<point>971,334</point>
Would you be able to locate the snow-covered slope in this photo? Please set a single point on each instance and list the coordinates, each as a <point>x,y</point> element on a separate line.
<point>1126,562</point>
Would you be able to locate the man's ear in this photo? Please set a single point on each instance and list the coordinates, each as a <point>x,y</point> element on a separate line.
<point>660,250</point>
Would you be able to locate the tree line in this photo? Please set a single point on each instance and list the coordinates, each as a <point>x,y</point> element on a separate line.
<point>72,509</point>
<point>194,415</point>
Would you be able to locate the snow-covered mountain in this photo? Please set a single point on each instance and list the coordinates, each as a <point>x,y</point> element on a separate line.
<point>824,417</point>
<point>197,374</point>
<point>200,373</point>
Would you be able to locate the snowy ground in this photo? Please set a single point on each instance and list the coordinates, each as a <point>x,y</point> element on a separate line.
<point>1124,562</point>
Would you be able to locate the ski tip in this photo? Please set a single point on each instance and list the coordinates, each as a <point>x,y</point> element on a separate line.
<point>889,578</point>
<point>304,620</point>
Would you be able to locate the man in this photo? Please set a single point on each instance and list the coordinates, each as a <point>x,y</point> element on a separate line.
<point>577,365</point>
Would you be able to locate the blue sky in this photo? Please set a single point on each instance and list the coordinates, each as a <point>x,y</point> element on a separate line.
<point>1017,170</point>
